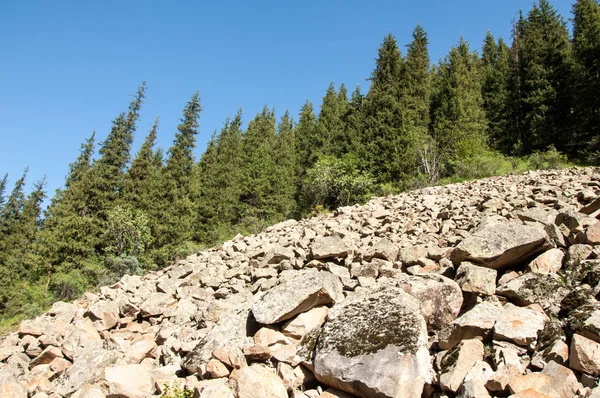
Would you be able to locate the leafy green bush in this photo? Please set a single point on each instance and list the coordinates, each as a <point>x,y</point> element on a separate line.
<point>485,164</point>
<point>68,286</point>
<point>334,182</point>
<point>548,159</point>
<point>123,265</point>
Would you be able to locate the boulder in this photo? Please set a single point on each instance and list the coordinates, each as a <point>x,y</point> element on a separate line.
<point>305,323</point>
<point>502,245</point>
<point>329,246</point>
<point>390,360</point>
<point>477,322</point>
<point>129,381</point>
<point>257,381</point>
<point>519,325</point>
<point>157,304</point>
<point>297,295</point>
<point>564,383</point>
<point>440,298</point>
<point>475,279</point>
<point>12,390</point>
<point>474,382</point>
<point>584,355</point>
<point>107,312</point>
<point>457,362</point>
<point>549,262</point>
<point>533,288</point>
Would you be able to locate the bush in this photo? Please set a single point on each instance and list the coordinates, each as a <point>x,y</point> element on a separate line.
<point>486,164</point>
<point>68,286</point>
<point>123,265</point>
<point>176,392</point>
<point>548,159</point>
<point>334,182</point>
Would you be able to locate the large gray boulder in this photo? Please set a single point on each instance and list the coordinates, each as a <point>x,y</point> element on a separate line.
<point>543,289</point>
<point>502,245</point>
<point>440,298</point>
<point>297,295</point>
<point>375,346</point>
<point>330,246</point>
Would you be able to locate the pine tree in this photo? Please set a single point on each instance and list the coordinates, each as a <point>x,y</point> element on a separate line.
<point>142,174</point>
<point>83,162</point>
<point>115,151</point>
<point>544,68</point>
<point>415,98</point>
<point>10,215</point>
<point>354,121</point>
<point>586,85</point>
<point>175,225</point>
<point>3,183</point>
<point>459,122</point>
<point>305,137</point>
<point>259,167</point>
<point>384,142</point>
<point>330,132</point>
<point>495,59</point>
<point>285,167</point>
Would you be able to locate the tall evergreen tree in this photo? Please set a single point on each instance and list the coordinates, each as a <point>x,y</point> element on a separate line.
<point>383,143</point>
<point>586,84</point>
<point>354,121</point>
<point>459,122</point>
<point>306,140</point>
<point>175,225</point>
<point>415,98</point>
<point>115,151</point>
<point>259,164</point>
<point>83,162</point>
<point>330,132</point>
<point>285,167</point>
<point>544,67</point>
<point>496,59</point>
<point>3,183</point>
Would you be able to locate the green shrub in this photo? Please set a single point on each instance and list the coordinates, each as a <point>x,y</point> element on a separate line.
<point>176,392</point>
<point>68,286</point>
<point>548,159</point>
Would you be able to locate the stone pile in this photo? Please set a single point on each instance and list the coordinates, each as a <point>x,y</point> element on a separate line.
<point>487,288</point>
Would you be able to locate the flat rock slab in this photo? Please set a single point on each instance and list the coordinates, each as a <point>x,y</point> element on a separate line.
<point>330,246</point>
<point>375,346</point>
<point>519,325</point>
<point>502,245</point>
<point>543,289</point>
<point>297,295</point>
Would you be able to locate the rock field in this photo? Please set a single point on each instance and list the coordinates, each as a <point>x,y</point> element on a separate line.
<point>482,289</point>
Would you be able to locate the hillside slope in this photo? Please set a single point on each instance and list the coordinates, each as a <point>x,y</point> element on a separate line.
<point>486,288</point>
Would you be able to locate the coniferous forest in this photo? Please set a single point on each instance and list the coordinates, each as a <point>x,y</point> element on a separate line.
<point>482,110</point>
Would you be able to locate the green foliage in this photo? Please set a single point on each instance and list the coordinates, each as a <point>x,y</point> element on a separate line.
<point>334,182</point>
<point>127,232</point>
<point>548,159</point>
<point>171,391</point>
<point>68,286</point>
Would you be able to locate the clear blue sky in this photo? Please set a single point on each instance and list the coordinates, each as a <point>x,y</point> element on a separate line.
<point>68,67</point>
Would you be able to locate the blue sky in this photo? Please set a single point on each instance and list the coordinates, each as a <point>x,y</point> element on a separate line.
<point>68,67</point>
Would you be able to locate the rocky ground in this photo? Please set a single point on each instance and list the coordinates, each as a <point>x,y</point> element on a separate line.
<point>487,288</point>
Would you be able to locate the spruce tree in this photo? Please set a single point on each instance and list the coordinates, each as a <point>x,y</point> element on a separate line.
<point>285,167</point>
<point>330,132</point>
<point>306,139</point>
<point>3,183</point>
<point>459,121</point>
<point>586,82</point>
<point>544,67</point>
<point>354,121</point>
<point>259,166</point>
<point>415,98</point>
<point>496,85</point>
<point>175,225</point>
<point>384,141</point>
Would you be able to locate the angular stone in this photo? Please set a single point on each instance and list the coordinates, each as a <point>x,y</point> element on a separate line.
<point>475,279</point>
<point>440,297</point>
<point>519,325</point>
<point>156,304</point>
<point>474,382</point>
<point>231,331</point>
<point>217,369</point>
<point>47,356</point>
<point>305,323</point>
<point>390,360</point>
<point>584,355</point>
<point>563,383</point>
<point>383,249</point>
<point>297,295</point>
<point>458,362</point>
<point>538,382</point>
<point>477,322</point>
<point>533,288</point>
<point>592,234</point>
<point>549,262</point>
<point>257,381</point>
<point>129,381</point>
<point>411,255</point>
<point>230,356</point>
<point>141,349</point>
<point>329,246</point>
<point>504,245</point>
<point>277,254</point>
<point>107,312</point>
